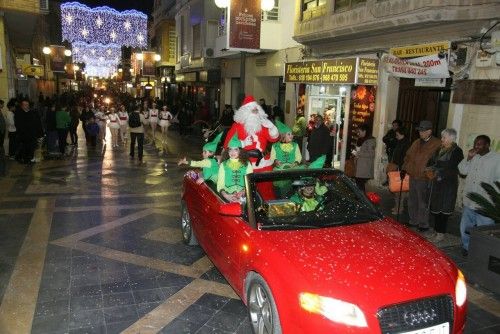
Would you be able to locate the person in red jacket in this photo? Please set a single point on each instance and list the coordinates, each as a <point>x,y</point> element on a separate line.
<point>255,131</point>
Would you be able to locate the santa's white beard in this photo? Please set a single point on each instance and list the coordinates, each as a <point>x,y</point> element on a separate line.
<point>251,122</point>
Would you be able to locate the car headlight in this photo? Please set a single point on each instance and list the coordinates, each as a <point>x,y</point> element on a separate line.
<point>460,290</point>
<point>334,309</point>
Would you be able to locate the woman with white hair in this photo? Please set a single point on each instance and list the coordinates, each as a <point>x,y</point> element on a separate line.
<point>442,170</point>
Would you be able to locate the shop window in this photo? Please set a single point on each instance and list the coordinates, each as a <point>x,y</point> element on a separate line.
<point>313,8</point>
<point>341,5</point>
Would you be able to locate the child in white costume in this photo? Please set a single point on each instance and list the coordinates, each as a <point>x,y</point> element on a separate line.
<point>153,119</point>
<point>101,121</point>
<point>114,126</point>
<point>123,115</point>
<point>165,117</point>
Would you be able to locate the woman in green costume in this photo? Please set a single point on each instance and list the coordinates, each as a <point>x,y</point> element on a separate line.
<point>232,171</point>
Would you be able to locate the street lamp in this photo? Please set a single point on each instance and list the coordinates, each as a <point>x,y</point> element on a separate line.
<point>46,50</point>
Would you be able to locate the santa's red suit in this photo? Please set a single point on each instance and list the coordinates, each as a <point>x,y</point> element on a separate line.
<point>255,131</point>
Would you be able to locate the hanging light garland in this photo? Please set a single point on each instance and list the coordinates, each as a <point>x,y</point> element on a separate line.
<point>102,71</point>
<point>103,25</point>
<point>96,52</point>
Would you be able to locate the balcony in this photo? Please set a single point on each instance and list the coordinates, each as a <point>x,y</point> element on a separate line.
<point>376,25</point>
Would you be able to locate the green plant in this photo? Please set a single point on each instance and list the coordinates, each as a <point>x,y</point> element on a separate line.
<point>488,207</point>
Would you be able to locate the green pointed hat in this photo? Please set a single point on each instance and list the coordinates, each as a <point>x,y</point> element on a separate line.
<point>318,163</point>
<point>211,146</point>
<point>234,142</point>
<point>282,128</point>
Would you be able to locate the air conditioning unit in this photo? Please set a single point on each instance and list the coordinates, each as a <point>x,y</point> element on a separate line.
<point>208,53</point>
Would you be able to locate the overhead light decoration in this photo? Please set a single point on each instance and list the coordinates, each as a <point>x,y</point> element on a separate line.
<point>267,5</point>
<point>98,22</point>
<point>222,3</point>
<point>84,53</point>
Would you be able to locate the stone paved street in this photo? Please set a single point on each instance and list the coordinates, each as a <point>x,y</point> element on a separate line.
<point>91,244</point>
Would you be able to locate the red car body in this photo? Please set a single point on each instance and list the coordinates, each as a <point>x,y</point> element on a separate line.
<point>373,265</point>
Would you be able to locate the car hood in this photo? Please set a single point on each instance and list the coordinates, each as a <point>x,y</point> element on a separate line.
<point>356,262</point>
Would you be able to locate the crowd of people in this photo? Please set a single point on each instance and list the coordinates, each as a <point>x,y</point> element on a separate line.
<point>433,165</point>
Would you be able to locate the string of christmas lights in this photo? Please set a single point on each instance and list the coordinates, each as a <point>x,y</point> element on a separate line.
<point>96,53</point>
<point>101,71</point>
<point>103,25</point>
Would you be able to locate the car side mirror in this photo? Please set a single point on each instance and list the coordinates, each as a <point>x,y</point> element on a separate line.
<point>230,209</point>
<point>373,197</point>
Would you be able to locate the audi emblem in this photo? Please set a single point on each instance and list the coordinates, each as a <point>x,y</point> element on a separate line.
<point>413,318</point>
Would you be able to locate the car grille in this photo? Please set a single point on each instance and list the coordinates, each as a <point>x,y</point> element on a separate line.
<point>416,315</point>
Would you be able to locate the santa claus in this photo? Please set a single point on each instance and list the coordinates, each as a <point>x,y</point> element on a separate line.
<point>255,131</point>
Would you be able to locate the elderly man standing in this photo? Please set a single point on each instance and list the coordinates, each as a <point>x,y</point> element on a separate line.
<point>481,165</point>
<point>415,162</point>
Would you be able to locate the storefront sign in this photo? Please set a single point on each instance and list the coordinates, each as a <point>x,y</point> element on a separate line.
<point>34,70</point>
<point>57,58</point>
<point>367,72</point>
<point>362,111</point>
<point>334,71</point>
<point>338,71</point>
<point>419,50</point>
<point>244,25</point>
<point>70,71</point>
<point>422,67</point>
<point>186,77</point>
<point>305,72</point>
<point>425,82</point>
<point>148,63</point>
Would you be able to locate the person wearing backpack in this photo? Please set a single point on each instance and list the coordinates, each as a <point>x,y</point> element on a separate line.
<point>135,123</point>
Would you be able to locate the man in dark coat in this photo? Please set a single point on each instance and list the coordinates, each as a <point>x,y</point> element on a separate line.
<point>319,141</point>
<point>390,140</point>
<point>29,128</point>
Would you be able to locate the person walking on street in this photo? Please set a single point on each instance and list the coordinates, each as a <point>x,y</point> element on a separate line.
<point>28,128</point>
<point>63,121</point>
<point>11,129</point>
<point>365,156</point>
<point>415,162</point>
<point>74,114</point>
<point>136,124</point>
<point>442,170</point>
<point>480,165</point>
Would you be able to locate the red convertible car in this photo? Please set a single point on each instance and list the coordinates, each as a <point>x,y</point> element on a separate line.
<point>320,257</point>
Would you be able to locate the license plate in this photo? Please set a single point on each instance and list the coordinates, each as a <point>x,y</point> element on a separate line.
<point>438,329</point>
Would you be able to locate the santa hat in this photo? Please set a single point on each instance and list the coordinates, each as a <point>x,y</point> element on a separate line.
<point>248,99</point>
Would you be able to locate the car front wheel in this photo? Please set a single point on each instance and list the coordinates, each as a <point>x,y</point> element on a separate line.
<point>262,309</point>
<point>187,230</point>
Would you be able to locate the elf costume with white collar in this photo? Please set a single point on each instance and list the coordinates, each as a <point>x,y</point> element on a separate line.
<point>231,177</point>
<point>210,166</point>
<point>288,154</point>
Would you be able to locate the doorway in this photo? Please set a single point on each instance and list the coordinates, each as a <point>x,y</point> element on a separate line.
<point>422,103</point>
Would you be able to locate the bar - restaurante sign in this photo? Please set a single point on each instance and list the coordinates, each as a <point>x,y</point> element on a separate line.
<point>332,71</point>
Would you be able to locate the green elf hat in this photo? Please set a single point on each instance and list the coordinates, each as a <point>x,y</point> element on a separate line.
<point>318,163</point>
<point>212,145</point>
<point>283,128</point>
<point>234,142</point>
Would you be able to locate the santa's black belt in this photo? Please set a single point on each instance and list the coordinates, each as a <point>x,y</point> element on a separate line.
<point>255,154</point>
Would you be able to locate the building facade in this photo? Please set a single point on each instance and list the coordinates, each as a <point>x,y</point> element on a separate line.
<point>455,33</point>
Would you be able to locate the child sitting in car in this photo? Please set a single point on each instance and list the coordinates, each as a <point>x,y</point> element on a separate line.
<point>285,153</point>
<point>209,164</point>
<point>232,171</point>
<point>309,196</point>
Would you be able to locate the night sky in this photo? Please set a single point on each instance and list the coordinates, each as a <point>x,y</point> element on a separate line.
<point>145,6</point>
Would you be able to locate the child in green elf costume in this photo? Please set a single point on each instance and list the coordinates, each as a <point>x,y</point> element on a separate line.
<point>285,153</point>
<point>309,196</point>
<point>232,171</point>
<point>209,165</point>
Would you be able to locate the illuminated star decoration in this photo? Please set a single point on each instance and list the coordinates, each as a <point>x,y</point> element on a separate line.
<point>85,32</point>
<point>100,21</point>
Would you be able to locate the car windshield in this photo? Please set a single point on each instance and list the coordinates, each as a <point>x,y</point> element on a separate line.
<point>308,199</point>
